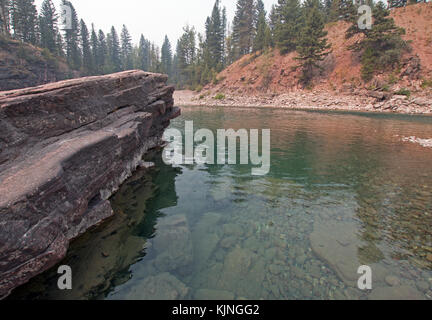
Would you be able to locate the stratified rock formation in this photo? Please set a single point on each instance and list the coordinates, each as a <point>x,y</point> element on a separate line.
<point>65,148</point>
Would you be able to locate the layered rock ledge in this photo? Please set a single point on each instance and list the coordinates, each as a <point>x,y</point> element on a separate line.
<point>65,148</point>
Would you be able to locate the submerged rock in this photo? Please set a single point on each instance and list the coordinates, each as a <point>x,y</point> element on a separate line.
<point>161,287</point>
<point>337,244</point>
<point>204,240</point>
<point>173,244</point>
<point>65,148</point>
<point>206,294</point>
<point>396,293</point>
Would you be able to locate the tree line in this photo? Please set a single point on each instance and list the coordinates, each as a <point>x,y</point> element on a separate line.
<point>91,51</point>
<point>291,25</point>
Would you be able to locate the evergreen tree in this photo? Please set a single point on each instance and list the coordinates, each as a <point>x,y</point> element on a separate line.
<point>262,38</point>
<point>126,49</point>
<point>312,45</point>
<point>86,49</point>
<point>243,27</point>
<point>288,25</point>
<point>114,51</point>
<point>166,57</point>
<point>60,45</point>
<point>333,10</point>
<point>5,17</point>
<point>273,19</point>
<point>230,54</point>
<point>382,46</point>
<point>102,53</point>
<point>48,27</point>
<point>347,10</point>
<point>144,54</point>
<point>73,52</point>
<point>224,34</point>
<point>154,59</point>
<point>215,37</point>
<point>24,20</point>
<point>185,54</point>
<point>94,44</point>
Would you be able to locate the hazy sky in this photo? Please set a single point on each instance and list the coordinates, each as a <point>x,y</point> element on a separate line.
<point>153,18</point>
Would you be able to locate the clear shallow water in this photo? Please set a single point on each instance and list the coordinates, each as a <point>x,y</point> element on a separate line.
<point>343,191</point>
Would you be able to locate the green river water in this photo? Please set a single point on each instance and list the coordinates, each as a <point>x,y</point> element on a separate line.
<point>344,190</point>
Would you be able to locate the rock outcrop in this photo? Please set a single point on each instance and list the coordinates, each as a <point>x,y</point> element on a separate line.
<point>65,148</point>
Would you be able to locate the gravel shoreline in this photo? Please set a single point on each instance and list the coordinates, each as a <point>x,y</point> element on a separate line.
<point>367,102</point>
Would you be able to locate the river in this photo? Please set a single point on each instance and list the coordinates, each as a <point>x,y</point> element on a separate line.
<point>344,190</point>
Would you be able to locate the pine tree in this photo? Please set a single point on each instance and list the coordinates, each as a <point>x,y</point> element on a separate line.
<point>86,49</point>
<point>215,37</point>
<point>347,10</point>
<point>244,27</point>
<point>126,49</point>
<point>327,5</point>
<point>166,57</point>
<point>333,10</point>
<point>73,52</point>
<point>273,19</point>
<point>224,34</point>
<point>24,20</point>
<point>185,54</point>
<point>60,45</point>
<point>230,54</point>
<point>144,54</point>
<point>288,25</point>
<point>382,46</point>
<point>102,53</point>
<point>312,45</point>
<point>155,65</point>
<point>94,44</point>
<point>5,17</point>
<point>48,19</point>
<point>261,40</point>
<point>114,51</point>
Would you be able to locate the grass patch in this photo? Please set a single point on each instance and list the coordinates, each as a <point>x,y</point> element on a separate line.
<point>392,79</point>
<point>427,83</point>
<point>404,92</point>
<point>219,96</point>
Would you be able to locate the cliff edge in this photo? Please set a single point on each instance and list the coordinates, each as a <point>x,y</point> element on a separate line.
<point>65,148</point>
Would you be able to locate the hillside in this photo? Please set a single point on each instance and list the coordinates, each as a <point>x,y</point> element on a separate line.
<point>272,73</point>
<point>23,65</point>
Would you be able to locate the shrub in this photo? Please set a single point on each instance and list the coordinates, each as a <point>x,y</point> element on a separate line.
<point>392,79</point>
<point>404,92</point>
<point>219,96</point>
<point>267,79</point>
<point>427,83</point>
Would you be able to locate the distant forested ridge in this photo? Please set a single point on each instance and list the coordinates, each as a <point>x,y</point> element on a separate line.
<point>291,25</point>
